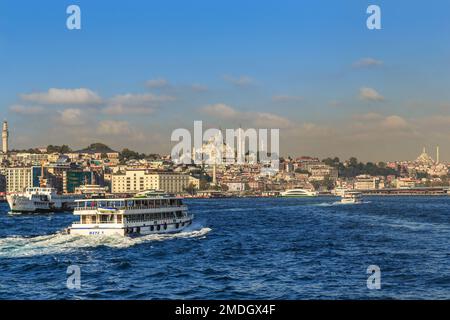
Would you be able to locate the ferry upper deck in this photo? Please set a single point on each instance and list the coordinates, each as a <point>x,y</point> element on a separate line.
<point>135,203</point>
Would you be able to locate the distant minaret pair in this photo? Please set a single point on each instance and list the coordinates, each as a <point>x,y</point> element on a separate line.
<point>437,153</point>
<point>5,136</point>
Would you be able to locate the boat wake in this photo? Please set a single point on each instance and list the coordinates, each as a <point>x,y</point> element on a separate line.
<point>16,246</point>
<point>338,203</point>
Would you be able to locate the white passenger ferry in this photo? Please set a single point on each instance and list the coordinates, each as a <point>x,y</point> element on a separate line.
<point>40,200</point>
<point>351,197</point>
<point>299,193</point>
<point>145,213</point>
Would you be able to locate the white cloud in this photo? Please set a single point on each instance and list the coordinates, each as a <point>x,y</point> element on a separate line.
<point>63,96</point>
<point>268,120</point>
<point>240,81</point>
<point>368,116</point>
<point>112,127</point>
<point>135,103</point>
<point>26,110</point>
<point>370,94</point>
<point>199,87</point>
<point>334,103</point>
<point>221,110</point>
<point>394,122</point>
<point>257,119</point>
<point>140,99</point>
<point>71,116</point>
<point>286,98</point>
<point>120,109</point>
<point>367,62</point>
<point>157,83</point>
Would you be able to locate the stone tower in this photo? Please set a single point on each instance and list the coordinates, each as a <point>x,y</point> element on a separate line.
<point>5,135</point>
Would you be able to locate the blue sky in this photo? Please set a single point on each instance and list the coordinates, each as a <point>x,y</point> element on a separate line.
<point>311,68</point>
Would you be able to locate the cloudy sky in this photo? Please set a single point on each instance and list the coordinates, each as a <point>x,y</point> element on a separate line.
<point>139,69</point>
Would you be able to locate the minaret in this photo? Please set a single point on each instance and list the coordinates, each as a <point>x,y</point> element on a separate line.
<point>5,135</point>
<point>437,154</point>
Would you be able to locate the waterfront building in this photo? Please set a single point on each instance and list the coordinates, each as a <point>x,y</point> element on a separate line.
<point>320,171</point>
<point>72,179</point>
<point>20,178</point>
<point>131,181</point>
<point>367,182</point>
<point>405,183</point>
<point>235,186</point>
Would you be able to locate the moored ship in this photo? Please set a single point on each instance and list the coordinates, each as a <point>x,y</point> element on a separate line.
<point>145,213</point>
<point>35,199</point>
<point>296,193</point>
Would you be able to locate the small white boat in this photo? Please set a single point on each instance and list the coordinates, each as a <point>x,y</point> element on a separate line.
<point>296,193</point>
<point>351,197</point>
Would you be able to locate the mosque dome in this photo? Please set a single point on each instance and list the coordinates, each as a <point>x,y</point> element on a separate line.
<point>424,158</point>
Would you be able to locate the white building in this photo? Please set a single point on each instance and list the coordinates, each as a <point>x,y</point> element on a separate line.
<point>235,186</point>
<point>131,181</point>
<point>405,183</point>
<point>17,179</point>
<point>367,182</point>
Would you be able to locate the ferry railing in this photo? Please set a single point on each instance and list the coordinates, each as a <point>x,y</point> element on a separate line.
<point>158,221</point>
<point>131,208</point>
<point>99,222</point>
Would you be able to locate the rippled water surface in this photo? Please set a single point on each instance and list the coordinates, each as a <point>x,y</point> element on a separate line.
<point>241,249</point>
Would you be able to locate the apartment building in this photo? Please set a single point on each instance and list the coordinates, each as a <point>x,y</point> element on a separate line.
<point>131,181</point>
<point>19,178</point>
<point>367,182</point>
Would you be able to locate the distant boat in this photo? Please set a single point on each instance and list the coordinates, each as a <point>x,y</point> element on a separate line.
<point>351,197</point>
<point>297,193</point>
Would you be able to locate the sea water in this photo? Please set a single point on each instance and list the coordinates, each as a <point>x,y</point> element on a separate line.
<point>246,248</point>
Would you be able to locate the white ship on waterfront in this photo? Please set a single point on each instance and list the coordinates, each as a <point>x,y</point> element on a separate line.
<point>299,193</point>
<point>40,200</point>
<point>351,197</point>
<point>146,213</point>
<point>339,191</point>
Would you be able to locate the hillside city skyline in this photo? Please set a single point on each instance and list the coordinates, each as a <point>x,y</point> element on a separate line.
<point>331,85</point>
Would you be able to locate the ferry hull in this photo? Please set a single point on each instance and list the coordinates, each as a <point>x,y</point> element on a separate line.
<point>129,231</point>
<point>350,202</point>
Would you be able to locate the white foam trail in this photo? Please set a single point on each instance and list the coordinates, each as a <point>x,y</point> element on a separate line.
<point>12,247</point>
<point>338,203</point>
